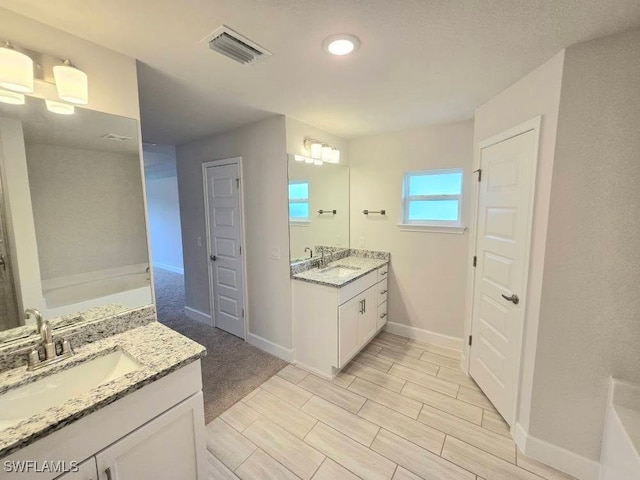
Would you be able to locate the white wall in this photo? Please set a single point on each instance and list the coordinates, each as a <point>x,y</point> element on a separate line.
<point>163,209</point>
<point>262,146</point>
<point>88,209</point>
<point>536,94</point>
<point>590,305</point>
<point>113,82</point>
<point>428,270</point>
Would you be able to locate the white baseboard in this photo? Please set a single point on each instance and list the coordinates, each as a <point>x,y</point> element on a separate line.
<point>557,457</point>
<point>424,335</point>
<point>268,346</point>
<point>198,316</point>
<point>316,372</point>
<point>171,268</point>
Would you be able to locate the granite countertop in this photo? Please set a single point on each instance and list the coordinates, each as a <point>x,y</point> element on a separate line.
<point>323,276</point>
<point>159,349</point>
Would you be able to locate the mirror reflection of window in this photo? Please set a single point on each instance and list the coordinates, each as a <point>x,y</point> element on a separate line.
<point>299,201</point>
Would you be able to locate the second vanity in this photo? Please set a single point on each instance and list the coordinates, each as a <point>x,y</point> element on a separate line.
<point>126,406</point>
<point>338,308</point>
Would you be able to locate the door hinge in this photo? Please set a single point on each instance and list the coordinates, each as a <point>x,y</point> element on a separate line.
<point>238,182</point>
<point>470,340</point>
<point>243,313</point>
<point>479,172</point>
<point>475,260</point>
<point>240,250</point>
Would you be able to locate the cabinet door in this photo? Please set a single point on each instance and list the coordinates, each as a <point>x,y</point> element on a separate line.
<point>348,319</point>
<point>86,471</point>
<point>169,447</point>
<point>368,319</point>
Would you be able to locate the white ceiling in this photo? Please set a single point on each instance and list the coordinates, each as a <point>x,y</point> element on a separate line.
<point>420,62</point>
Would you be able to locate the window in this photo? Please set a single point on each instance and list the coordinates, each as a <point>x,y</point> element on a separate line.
<point>432,198</point>
<point>299,201</point>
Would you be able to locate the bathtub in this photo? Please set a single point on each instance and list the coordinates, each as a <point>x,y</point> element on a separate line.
<point>129,286</point>
<point>620,457</point>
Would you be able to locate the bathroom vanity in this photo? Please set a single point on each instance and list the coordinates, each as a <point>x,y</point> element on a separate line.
<point>338,308</point>
<point>127,405</point>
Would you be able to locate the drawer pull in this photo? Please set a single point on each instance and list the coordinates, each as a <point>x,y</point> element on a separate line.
<point>383,292</point>
<point>383,315</point>
<point>108,473</point>
<point>383,273</point>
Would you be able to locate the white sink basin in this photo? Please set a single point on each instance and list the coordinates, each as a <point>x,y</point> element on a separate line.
<point>23,402</point>
<point>340,271</point>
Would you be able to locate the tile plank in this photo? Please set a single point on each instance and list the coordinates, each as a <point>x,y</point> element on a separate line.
<point>352,425</point>
<point>216,470</point>
<point>545,471</point>
<point>422,435</point>
<point>286,391</point>
<point>372,349</point>
<point>350,454</point>
<point>415,363</point>
<point>490,442</point>
<point>240,415</point>
<point>343,379</point>
<point>419,461</point>
<point>395,401</point>
<point>373,362</point>
<point>229,446</point>
<point>482,463</point>
<point>330,470</point>
<point>376,376</point>
<point>424,379</point>
<point>443,402</point>
<point>405,349</point>
<point>260,466</point>
<point>457,376</point>
<point>440,360</point>
<point>495,423</point>
<point>332,393</point>
<point>444,351</point>
<point>475,397</point>
<point>402,474</point>
<point>292,374</point>
<point>282,413</point>
<point>284,447</point>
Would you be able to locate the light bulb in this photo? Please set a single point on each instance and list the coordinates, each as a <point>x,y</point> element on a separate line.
<point>72,84</point>
<point>60,108</point>
<point>16,70</point>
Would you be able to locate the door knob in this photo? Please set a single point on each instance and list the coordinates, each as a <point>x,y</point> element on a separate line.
<point>513,298</point>
<point>213,258</point>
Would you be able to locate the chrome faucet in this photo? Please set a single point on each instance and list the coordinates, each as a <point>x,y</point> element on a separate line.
<point>310,251</point>
<point>322,260</point>
<point>46,343</point>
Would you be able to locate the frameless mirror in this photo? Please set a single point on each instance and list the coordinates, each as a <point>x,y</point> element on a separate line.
<point>73,241</point>
<point>318,207</point>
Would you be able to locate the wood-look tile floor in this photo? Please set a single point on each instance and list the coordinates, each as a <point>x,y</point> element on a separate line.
<point>401,410</point>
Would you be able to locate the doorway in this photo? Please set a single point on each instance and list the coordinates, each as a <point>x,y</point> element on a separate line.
<point>9,316</point>
<point>507,166</point>
<point>225,237</point>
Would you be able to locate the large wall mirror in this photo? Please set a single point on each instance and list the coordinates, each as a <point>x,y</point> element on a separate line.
<point>318,207</point>
<point>73,237</point>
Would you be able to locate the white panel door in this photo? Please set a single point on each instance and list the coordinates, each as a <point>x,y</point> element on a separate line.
<point>224,238</point>
<point>502,247</point>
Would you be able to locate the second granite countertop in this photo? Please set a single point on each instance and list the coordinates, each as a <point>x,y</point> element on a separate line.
<point>323,276</point>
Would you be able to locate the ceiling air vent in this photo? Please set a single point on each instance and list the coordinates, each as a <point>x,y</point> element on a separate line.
<point>235,46</point>
<point>114,136</point>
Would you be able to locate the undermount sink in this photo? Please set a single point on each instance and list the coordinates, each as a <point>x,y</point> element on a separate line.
<point>340,270</point>
<point>23,402</point>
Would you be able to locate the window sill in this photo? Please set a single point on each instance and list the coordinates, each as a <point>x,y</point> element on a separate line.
<point>299,223</point>
<point>409,227</point>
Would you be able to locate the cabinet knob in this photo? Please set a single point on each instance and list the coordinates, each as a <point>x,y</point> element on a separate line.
<point>383,292</point>
<point>383,315</point>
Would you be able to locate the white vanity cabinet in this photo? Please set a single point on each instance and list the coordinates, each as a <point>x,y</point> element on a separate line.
<point>154,433</point>
<point>332,324</point>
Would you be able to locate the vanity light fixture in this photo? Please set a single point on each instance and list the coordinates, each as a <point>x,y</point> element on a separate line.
<point>299,158</point>
<point>60,108</point>
<point>341,44</point>
<point>321,152</point>
<point>16,70</point>
<point>318,162</point>
<point>72,84</point>
<point>12,98</point>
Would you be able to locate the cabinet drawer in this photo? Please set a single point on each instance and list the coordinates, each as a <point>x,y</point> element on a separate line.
<point>349,291</point>
<point>383,272</point>
<point>382,291</point>
<point>382,315</point>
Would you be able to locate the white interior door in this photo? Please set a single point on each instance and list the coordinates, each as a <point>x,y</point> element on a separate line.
<point>226,273</point>
<point>503,229</point>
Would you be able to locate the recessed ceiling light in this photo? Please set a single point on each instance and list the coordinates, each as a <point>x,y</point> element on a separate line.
<point>341,44</point>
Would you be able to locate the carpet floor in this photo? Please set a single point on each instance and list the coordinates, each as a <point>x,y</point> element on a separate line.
<point>232,368</point>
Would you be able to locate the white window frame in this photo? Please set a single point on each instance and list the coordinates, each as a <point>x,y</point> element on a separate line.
<point>300,220</point>
<point>442,226</point>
